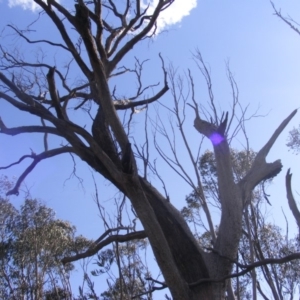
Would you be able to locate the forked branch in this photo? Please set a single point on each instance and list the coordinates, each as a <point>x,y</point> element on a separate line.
<point>289,21</point>
<point>36,159</point>
<point>261,170</point>
<point>126,104</point>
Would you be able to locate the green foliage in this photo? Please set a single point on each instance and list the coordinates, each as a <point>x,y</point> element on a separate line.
<point>133,273</point>
<point>104,261</point>
<point>271,243</point>
<point>32,244</point>
<point>5,185</point>
<point>260,240</point>
<point>294,139</point>
<point>241,163</point>
<point>57,294</point>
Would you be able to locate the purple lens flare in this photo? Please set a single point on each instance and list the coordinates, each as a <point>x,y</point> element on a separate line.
<point>216,138</point>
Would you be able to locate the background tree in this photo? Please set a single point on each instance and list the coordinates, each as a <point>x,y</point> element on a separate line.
<point>134,273</point>
<point>294,134</point>
<point>96,37</point>
<point>123,263</point>
<point>33,243</point>
<point>260,238</point>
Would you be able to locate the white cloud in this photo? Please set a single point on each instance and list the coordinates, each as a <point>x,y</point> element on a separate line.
<point>25,4</point>
<point>173,14</point>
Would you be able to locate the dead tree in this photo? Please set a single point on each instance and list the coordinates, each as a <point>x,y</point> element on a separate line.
<point>189,271</point>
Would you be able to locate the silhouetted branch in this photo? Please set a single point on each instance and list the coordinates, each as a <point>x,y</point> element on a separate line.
<point>60,26</point>
<point>113,238</point>
<point>248,268</point>
<point>129,103</point>
<point>61,114</point>
<point>285,19</point>
<point>153,289</point>
<point>131,43</point>
<point>36,159</point>
<point>27,129</point>
<point>37,41</point>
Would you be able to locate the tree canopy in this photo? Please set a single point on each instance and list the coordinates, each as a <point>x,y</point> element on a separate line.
<point>33,242</point>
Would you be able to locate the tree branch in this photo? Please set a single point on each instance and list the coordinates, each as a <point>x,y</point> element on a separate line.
<point>61,28</point>
<point>261,170</point>
<point>130,44</point>
<point>126,104</point>
<point>37,41</point>
<point>28,104</point>
<point>61,114</point>
<point>36,160</point>
<point>249,268</point>
<point>113,238</point>
<point>153,289</point>
<point>291,199</point>
<point>284,19</point>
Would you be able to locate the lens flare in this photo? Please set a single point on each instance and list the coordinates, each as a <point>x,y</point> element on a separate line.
<point>216,138</point>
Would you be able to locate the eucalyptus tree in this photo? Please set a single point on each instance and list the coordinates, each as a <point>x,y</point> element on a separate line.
<point>96,36</point>
<point>260,239</point>
<point>32,244</point>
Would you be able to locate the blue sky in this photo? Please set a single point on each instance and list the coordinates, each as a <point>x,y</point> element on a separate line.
<point>264,57</point>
